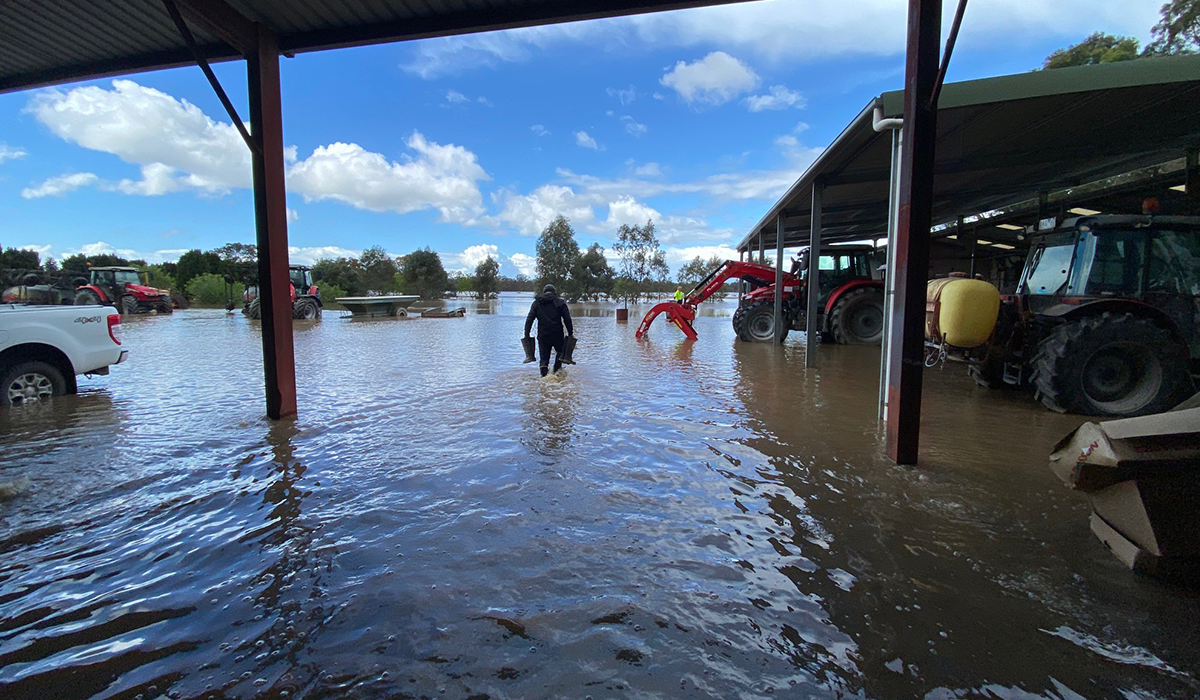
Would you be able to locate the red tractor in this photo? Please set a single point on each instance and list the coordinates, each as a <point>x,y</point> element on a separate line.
<point>850,299</point>
<point>122,287</point>
<point>306,298</point>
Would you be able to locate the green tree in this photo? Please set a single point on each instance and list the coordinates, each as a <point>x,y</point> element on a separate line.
<point>20,259</point>
<point>487,278</point>
<point>210,289</point>
<point>345,273</point>
<point>1178,30</point>
<point>239,260</point>
<point>557,252</point>
<point>194,263</point>
<point>1097,48</point>
<point>330,294</point>
<point>696,269</point>
<point>378,270</point>
<point>162,279</point>
<point>591,277</point>
<point>643,262</point>
<point>424,274</point>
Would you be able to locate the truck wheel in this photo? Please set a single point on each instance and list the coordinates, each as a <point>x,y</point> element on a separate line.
<point>306,309</point>
<point>757,323</point>
<point>1111,365</point>
<point>129,305</point>
<point>255,311</point>
<point>30,382</point>
<point>857,317</point>
<point>86,297</point>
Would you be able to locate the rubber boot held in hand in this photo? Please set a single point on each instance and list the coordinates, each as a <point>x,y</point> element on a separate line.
<point>527,343</point>
<point>568,350</point>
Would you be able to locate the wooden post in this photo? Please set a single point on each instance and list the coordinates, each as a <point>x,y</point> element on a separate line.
<point>906,356</point>
<point>812,329</point>
<point>270,215</point>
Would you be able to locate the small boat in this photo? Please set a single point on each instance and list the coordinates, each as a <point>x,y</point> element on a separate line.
<point>375,307</point>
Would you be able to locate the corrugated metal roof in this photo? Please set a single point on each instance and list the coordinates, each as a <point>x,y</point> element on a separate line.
<point>1001,141</point>
<point>43,42</point>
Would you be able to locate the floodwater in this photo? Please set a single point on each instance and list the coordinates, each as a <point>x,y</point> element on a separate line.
<point>663,520</point>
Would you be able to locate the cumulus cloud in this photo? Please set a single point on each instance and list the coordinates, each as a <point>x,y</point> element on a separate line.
<point>525,264</point>
<point>442,177</point>
<point>310,255</point>
<point>60,185</point>
<point>11,152</point>
<point>530,214</point>
<point>539,130</point>
<point>584,139</point>
<point>777,97</point>
<point>177,147</point>
<point>624,96</point>
<point>648,170</point>
<point>455,97</point>
<point>713,80</point>
<point>677,256</point>
<point>629,211</point>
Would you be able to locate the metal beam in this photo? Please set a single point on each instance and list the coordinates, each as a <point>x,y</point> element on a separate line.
<point>906,357</point>
<point>270,214</point>
<point>762,257</point>
<point>224,22</point>
<point>1191,166</point>
<point>779,280</point>
<point>812,329</point>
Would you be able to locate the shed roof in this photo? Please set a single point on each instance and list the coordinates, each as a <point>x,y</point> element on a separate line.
<point>43,42</point>
<point>1000,141</point>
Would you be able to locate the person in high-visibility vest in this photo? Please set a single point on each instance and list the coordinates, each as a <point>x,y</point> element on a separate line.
<point>678,295</point>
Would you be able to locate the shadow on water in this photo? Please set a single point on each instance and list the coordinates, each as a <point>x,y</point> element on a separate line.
<point>665,519</point>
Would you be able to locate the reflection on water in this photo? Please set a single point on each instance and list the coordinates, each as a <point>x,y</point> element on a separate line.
<point>665,519</point>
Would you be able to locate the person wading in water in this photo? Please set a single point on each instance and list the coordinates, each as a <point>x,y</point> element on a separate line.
<point>552,314</point>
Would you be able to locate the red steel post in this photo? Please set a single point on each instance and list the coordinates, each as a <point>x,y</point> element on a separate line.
<point>907,351</point>
<point>270,215</point>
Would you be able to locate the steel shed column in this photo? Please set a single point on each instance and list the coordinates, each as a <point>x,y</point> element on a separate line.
<point>812,329</point>
<point>270,215</point>
<point>906,354</point>
<point>779,279</point>
<point>762,257</point>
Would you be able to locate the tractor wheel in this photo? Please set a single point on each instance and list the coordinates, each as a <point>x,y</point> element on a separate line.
<point>179,301</point>
<point>129,305</point>
<point>255,311</point>
<point>757,323</point>
<point>737,319</point>
<point>30,382</point>
<point>306,309</point>
<point>164,306</point>
<point>1111,365</point>
<point>857,318</point>
<point>86,297</point>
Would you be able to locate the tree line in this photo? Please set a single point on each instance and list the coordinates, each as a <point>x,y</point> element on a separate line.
<point>1177,32</point>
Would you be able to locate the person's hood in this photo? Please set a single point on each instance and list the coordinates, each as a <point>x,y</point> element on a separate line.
<point>547,297</point>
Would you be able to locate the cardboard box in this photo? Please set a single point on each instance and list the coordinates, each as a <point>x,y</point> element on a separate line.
<point>1098,455</point>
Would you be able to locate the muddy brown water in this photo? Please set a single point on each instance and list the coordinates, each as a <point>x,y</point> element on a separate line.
<point>665,519</point>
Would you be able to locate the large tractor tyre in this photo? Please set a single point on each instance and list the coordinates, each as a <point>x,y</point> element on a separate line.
<point>1111,365</point>
<point>30,382</point>
<point>179,301</point>
<point>738,314</point>
<point>86,297</point>
<point>306,309</point>
<point>163,306</point>
<point>857,318</point>
<point>255,311</point>
<point>757,323</point>
<point>129,305</point>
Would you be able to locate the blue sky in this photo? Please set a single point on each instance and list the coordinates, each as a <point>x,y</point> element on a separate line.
<point>698,119</point>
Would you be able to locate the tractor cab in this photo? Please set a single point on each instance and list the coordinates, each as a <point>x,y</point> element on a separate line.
<point>123,288</point>
<point>306,298</point>
<point>301,277</point>
<point>838,265</point>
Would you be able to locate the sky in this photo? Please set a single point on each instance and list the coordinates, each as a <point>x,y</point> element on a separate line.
<point>697,120</point>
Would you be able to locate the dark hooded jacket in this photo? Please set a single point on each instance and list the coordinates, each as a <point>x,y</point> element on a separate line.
<point>551,313</point>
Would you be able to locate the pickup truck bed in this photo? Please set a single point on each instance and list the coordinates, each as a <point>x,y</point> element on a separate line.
<point>43,348</point>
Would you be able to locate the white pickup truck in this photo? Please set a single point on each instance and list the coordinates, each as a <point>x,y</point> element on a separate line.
<point>42,348</point>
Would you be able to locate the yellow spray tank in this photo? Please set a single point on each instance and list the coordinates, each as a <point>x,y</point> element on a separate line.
<point>960,311</point>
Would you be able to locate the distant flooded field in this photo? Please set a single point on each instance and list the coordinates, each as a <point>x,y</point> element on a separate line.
<point>663,520</point>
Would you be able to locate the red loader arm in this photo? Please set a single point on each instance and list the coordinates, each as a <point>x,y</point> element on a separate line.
<point>683,313</point>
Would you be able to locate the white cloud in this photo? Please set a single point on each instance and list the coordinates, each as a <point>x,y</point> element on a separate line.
<point>713,80</point>
<point>677,256</point>
<point>539,130</point>
<point>60,185</point>
<point>178,147</point>
<point>624,96</point>
<point>292,215</point>
<point>476,254</point>
<point>455,97</point>
<point>484,101</point>
<point>631,212</point>
<point>102,248</point>
<point>777,97</point>
<point>42,250</point>
<point>442,177</point>
<point>530,214</point>
<point>648,170</point>
<point>310,255</point>
<point>632,127</point>
<point>11,152</point>
<point>525,264</point>
<point>582,138</point>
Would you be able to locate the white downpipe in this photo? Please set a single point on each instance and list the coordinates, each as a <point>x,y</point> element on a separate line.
<point>890,283</point>
<point>881,125</point>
